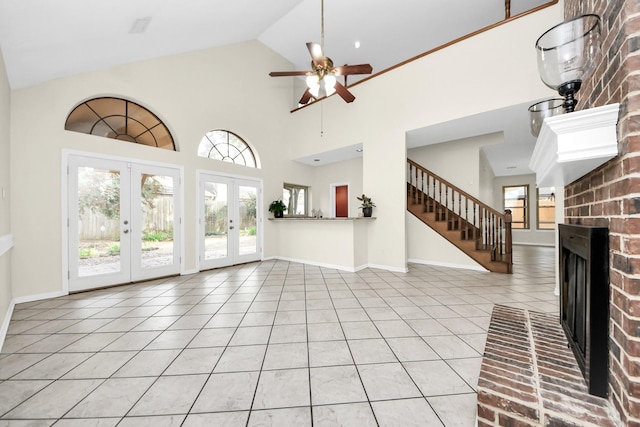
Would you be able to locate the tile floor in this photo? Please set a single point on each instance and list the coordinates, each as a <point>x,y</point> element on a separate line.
<point>264,344</point>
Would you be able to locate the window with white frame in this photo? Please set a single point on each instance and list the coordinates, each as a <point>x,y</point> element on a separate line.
<point>296,198</point>
<point>516,199</point>
<point>546,208</point>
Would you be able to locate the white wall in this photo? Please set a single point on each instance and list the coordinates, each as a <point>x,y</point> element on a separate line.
<point>330,243</point>
<point>5,198</point>
<point>486,178</point>
<point>425,246</point>
<point>193,93</point>
<point>470,77</point>
<point>458,162</point>
<point>346,172</point>
<point>532,236</point>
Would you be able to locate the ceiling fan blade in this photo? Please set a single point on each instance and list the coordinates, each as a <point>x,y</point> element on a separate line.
<point>352,69</point>
<point>306,96</point>
<point>344,92</point>
<point>316,54</point>
<point>289,73</point>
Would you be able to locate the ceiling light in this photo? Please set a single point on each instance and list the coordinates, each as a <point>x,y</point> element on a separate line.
<point>329,84</point>
<point>313,83</point>
<point>357,44</point>
<point>140,25</point>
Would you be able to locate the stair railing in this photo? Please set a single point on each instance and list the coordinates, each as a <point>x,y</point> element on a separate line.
<point>489,228</point>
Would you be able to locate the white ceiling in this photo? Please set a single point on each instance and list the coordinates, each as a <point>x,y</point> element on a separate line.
<point>44,39</point>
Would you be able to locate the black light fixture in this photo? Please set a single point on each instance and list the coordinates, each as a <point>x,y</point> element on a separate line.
<point>567,55</point>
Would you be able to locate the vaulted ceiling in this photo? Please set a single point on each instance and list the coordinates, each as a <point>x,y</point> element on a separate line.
<point>44,39</point>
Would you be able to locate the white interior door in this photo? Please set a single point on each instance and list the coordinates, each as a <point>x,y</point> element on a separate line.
<point>230,231</point>
<point>123,222</point>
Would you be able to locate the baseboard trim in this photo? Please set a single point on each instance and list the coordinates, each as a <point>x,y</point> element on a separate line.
<point>319,264</point>
<point>339,267</point>
<point>6,243</point>
<point>389,268</point>
<point>5,324</point>
<point>37,297</point>
<point>448,265</point>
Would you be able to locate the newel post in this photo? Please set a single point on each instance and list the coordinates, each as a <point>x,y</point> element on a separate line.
<point>508,240</point>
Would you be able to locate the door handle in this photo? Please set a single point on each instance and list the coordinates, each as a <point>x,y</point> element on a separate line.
<point>125,231</point>
<point>231,227</point>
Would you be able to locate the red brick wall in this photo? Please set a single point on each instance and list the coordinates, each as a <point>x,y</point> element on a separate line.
<point>610,195</point>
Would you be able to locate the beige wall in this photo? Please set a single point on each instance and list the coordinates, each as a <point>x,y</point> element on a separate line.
<point>458,162</point>
<point>485,179</point>
<point>194,93</point>
<point>346,172</point>
<point>5,197</point>
<point>470,77</point>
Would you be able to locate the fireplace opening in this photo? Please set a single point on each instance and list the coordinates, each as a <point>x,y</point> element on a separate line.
<point>584,300</point>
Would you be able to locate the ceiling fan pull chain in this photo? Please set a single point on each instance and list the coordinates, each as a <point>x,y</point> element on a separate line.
<point>322,25</point>
<point>321,120</point>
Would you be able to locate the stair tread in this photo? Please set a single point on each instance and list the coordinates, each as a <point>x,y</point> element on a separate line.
<point>482,255</point>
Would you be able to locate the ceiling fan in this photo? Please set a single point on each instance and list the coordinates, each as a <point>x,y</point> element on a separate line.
<point>321,79</point>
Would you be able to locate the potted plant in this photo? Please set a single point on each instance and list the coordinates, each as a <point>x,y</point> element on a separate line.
<point>367,205</point>
<point>277,207</point>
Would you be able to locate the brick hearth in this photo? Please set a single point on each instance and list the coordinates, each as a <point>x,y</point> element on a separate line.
<point>529,376</point>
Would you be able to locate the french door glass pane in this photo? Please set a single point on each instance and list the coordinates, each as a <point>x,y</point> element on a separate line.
<point>98,221</point>
<point>247,220</point>
<point>157,220</point>
<point>216,217</point>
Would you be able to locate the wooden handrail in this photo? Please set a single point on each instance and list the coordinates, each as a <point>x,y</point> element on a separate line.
<point>489,228</point>
<point>457,189</point>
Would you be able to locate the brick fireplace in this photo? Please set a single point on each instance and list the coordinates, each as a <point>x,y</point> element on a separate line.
<point>610,195</point>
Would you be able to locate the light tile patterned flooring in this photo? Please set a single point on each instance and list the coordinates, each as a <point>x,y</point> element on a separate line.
<point>264,344</point>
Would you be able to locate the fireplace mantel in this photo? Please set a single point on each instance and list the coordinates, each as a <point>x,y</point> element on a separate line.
<point>571,145</point>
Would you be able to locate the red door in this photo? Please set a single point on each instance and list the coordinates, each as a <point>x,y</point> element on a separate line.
<point>342,201</point>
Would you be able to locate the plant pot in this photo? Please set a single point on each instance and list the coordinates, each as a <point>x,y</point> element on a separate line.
<point>367,212</point>
<point>278,214</point>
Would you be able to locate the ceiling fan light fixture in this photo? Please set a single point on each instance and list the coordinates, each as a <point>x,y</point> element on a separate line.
<point>329,84</point>
<point>313,83</point>
<point>321,79</point>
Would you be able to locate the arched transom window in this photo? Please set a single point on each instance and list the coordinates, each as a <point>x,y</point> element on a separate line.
<point>122,120</point>
<point>228,147</point>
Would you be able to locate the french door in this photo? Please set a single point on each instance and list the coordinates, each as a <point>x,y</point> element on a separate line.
<point>229,223</point>
<point>124,222</point>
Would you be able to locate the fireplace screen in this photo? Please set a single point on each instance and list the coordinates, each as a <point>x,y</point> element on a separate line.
<point>584,300</point>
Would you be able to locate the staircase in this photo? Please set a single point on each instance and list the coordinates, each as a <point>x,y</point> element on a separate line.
<point>481,232</point>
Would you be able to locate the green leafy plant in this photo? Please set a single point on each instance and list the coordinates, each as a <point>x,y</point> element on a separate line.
<point>366,202</point>
<point>85,253</point>
<point>157,236</point>
<point>114,249</point>
<point>277,206</point>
